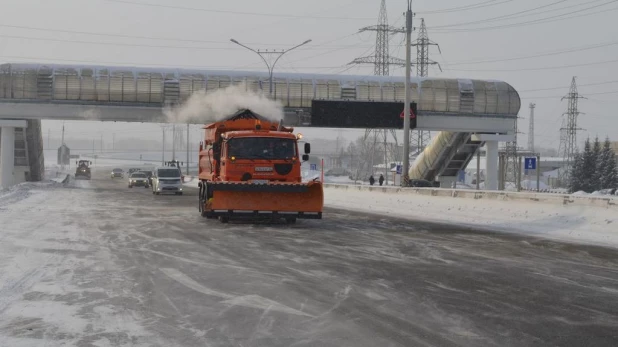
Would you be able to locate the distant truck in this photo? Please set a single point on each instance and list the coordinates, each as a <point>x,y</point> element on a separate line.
<point>83,169</point>
<point>250,167</point>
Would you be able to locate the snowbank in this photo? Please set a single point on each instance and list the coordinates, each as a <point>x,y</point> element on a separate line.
<point>566,222</point>
<point>191,181</point>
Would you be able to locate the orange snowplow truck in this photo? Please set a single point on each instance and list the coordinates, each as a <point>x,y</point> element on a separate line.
<point>250,168</point>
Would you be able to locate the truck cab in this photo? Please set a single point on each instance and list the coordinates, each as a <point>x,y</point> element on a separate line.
<point>83,169</point>
<point>260,157</point>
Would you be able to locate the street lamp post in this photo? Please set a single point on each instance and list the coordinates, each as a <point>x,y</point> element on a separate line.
<point>268,66</point>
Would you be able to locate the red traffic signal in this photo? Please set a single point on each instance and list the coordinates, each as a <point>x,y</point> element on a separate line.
<point>412,115</point>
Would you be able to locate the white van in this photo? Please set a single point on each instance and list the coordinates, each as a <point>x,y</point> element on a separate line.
<point>166,180</point>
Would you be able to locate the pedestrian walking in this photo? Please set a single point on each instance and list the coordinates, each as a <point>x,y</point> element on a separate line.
<point>371,180</point>
<point>381,179</point>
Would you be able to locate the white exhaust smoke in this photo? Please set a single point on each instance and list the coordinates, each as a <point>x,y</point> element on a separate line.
<point>207,107</point>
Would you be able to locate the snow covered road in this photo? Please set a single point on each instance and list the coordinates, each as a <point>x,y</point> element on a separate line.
<point>98,264</point>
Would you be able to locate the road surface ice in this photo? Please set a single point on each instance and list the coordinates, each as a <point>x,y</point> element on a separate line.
<point>94,263</point>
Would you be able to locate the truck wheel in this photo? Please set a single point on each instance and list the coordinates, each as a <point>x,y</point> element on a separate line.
<point>157,193</point>
<point>290,220</point>
<point>224,219</point>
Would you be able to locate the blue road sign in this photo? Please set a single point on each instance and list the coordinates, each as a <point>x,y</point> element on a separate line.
<point>399,169</point>
<point>313,167</point>
<point>530,163</point>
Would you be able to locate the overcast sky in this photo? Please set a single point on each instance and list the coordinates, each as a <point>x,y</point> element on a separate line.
<point>531,44</point>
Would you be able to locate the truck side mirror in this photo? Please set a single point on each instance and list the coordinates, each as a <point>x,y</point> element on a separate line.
<point>305,157</point>
<point>307,148</point>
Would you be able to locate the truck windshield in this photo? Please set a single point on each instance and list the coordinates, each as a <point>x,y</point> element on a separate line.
<point>169,173</point>
<point>261,148</point>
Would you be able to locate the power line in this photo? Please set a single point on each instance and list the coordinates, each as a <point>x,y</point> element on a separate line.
<point>559,96</point>
<point>563,51</point>
<point>539,68</point>
<point>492,19</point>
<point>175,39</point>
<point>536,21</point>
<point>564,87</point>
<point>126,64</point>
<point>343,47</point>
<point>262,14</point>
<point>483,4</point>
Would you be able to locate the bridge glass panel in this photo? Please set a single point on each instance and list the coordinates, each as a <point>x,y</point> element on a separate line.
<point>295,90</point>
<point>149,87</point>
<point>503,98</point>
<point>514,101</point>
<point>362,90</point>
<point>217,82</point>
<point>375,91</point>
<point>400,91</point>
<point>414,97</point>
<point>452,96</point>
<point>491,98</point>
<point>5,81</point>
<point>102,84</point>
<point>280,90</point>
<point>44,84</point>
<point>388,91</point>
<point>427,96</point>
<point>190,84</point>
<point>253,84</point>
<point>306,92</point>
<point>480,96</point>
<point>60,84</point>
<point>87,90</point>
<point>17,85</point>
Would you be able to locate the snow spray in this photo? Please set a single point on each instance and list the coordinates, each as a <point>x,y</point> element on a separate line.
<point>212,106</point>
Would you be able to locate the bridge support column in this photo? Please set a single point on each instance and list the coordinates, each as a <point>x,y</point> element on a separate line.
<point>7,150</point>
<point>491,165</point>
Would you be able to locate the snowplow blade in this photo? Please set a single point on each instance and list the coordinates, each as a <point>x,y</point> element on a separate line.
<point>272,200</point>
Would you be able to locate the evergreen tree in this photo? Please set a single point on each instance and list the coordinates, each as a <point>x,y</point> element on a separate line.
<point>576,174</point>
<point>589,167</point>
<point>608,167</point>
<point>598,160</point>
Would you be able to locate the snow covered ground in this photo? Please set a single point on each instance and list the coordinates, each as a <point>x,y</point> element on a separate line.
<point>583,224</point>
<point>41,246</point>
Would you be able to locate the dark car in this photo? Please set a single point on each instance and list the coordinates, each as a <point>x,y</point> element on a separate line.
<point>117,173</point>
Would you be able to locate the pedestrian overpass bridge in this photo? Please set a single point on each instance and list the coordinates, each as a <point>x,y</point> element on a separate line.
<point>468,113</point>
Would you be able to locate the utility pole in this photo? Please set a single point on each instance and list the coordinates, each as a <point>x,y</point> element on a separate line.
<point>568,133</point>
<point>381,58</point>
<point>173,142</point>
<point>531,128</point>
<point>512,167</point>
<point>406,105</point>
<point>420,138</point>
<point>163,149</point>
<point>188,149</point>
<point>114,141</point>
